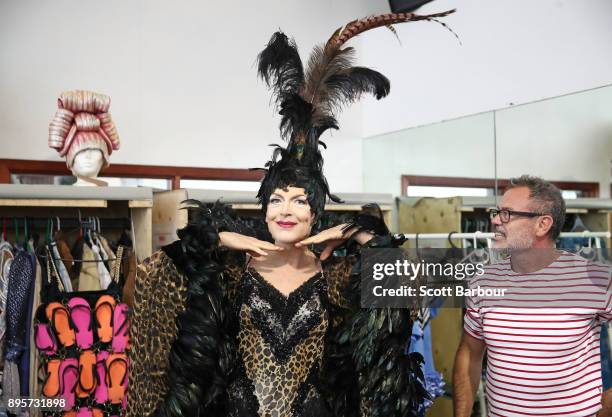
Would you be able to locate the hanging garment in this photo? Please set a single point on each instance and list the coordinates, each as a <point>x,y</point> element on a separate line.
<point>89,278</point>
<point>129,268</point>
<point>103,274</point>
<point>6,259</point>
<point>61,267</point>
<point>109,252</point>
<point>420,342</point>
<point>21,277</point>
<point>35,387</point>
<point>66,256</point>
<point>24,361</point>
<point>606,356</point>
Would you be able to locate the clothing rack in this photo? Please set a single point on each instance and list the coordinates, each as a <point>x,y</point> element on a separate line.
<point>482,235</point>
<point>489,236</point>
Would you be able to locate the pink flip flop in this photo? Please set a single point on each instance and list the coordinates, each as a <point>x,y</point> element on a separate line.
<point>80,313</point>
<point>44,338</point>
<point>101,392</point>
<point>121,327</point>
<point>69,378</point>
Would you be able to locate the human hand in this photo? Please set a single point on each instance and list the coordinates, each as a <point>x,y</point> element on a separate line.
<point>255,247</point>
<point>333,238</point>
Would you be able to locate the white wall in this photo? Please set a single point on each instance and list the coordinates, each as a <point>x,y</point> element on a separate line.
<point>456,148</point>
<point>182,79</point>
<point>512,51</point>
<point>564,139</point>
<point>567,138</point>
<point>181,76</point>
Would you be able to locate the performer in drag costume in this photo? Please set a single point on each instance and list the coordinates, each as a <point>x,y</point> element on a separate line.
<point>239,317</point>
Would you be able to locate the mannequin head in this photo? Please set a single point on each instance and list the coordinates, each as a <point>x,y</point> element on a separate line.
<point>83,132</point>
<point>87,163</point>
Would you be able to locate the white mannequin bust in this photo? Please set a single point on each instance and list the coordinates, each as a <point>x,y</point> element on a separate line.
<point>87,163</point>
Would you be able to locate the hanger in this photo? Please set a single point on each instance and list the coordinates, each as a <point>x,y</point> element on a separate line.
<point>59,226</point>
<point>4,244</point>
<point>16,225</point>
<point>587,252</point>
<point>49,230</point>
<point>26,238</point>
<point>579,225</point>
<point>478,255</point>
<point>3,238</point>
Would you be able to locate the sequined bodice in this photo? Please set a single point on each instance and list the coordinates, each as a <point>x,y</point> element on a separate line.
<point>280,343</point>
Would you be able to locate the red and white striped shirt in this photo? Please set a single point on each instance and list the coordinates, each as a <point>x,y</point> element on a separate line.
<point>542,361</point>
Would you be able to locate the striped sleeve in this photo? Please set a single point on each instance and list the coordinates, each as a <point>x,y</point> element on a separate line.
<point>472,323</point>
<point>606,314</point>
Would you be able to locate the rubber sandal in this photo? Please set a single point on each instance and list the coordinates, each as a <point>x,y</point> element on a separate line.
<point>87,374</point>
<point>44,339</point>
<point>51,386</point>
<point>80,313</point>
<point>116,377</point>
<point>70,413</point>
<point>121,327</point>
<point>69,379</point>
<point>104,318</point>
<point>60,322</point>
<point>96,412</point>
<point>84,412</point>
<point>101,393</point>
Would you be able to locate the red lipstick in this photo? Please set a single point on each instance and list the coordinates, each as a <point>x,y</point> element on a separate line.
<point>286,225</point>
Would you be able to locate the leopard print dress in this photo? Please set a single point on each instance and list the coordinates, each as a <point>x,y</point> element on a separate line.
<point>280,343</point>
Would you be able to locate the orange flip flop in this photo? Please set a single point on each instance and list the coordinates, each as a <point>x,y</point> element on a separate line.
<point>105,307</point>
<point>60,321</point>
<point>51,386</point>
<point>87,374</point>
<point>97,412</point>
<point>117,377</point>
<point>69,414</point>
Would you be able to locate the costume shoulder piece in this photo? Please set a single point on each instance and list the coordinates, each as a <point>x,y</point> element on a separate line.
<point>180,352</point>
<point>368,344</point>
<point>159,297</point>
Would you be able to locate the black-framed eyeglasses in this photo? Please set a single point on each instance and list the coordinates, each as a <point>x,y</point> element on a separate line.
<point>505,214</point>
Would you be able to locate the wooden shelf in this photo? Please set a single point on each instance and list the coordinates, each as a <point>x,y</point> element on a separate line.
<point>33,202</point>
<point>67,201</point>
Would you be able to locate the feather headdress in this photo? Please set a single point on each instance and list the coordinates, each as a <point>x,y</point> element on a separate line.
<point>309,99</point>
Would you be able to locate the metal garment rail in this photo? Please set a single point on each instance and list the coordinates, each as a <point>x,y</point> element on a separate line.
<point>489,236</point>
<point>482,235</point>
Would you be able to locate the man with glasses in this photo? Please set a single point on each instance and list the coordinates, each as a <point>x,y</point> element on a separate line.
<point>542,341</point>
